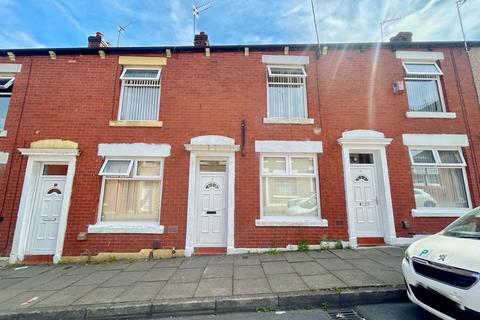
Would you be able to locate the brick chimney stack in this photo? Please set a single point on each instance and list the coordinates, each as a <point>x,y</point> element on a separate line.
<point>402,37</point>
<point>97,41</point>
<point>201,40</point>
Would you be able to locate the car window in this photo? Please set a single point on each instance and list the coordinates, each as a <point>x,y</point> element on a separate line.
<point>467,226</point>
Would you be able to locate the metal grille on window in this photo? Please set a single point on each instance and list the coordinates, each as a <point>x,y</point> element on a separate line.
<point>286,93</point>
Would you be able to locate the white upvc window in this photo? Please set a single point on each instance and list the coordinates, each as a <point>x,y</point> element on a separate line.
<point>286,92</point>
<point>424,88</point>
<point>439,180</point>
<point>140,94</point>
<point>289,186</point>
<point>131,191</point>
<point>6,86</point>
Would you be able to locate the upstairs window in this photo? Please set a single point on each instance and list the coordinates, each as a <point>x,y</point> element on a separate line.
<point>287,97</point>
<point>140,95</point>
<point>6,86</point>
<point>439,178</point>
<point>424,89</point>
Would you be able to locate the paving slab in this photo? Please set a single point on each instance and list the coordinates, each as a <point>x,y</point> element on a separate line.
<point>324,254</point>
<point>388,277</point>
<point>123,279</point>
<point>96,278</point>
<point>393,251</point>
<point>19,301</point>
<point>5,283</point>
<point>116,265</point>
<point>251,286</point>
<point>221,260</point>
<point>86,268</point>
<point>248,272</point>
<point>177,291</point>
<point>286,283</point>
<point>35,282</point>
<point>335,264</point>
<point>246,260</point>
<point>277,267</point>
<point>297,256</point>
<point>158,274</point>
<point>356,278</point>
<point>141,265</point>
<point>9,294</point>
<point>271,257</point>
<point>172,262</point>
<point>62,282</point>
<point>65,297</point>
<point>367,264</point>
<point>371,252</point>
<point>323,281</point>
<point>30,271</point>
<point>347,254</point>
<point>308,268</point>
<point>214,287</point>
<point>187,275</point>
<point>218,271</point>
<point>141,291</point>
<point>100,295</point>
<point>196,262</point>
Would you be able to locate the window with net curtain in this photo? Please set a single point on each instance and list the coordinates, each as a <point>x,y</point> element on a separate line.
<point>424,90</point>
<point>289,186</point>
<point>140,96</point>
<point>439,178</point>
<point>6,86</point>
<point>131,191</point>
<point>286,92</point>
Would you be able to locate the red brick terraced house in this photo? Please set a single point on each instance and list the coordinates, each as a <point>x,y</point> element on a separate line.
<point>229,149</point>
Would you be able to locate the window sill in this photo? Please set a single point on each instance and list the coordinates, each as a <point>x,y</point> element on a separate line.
<point>288,121</point>
<point>434,115</point>
<point>140,123</point>
<point>125,227</point>
<point>3,133</point>
<point>437,212</point>
<point>295,222</point>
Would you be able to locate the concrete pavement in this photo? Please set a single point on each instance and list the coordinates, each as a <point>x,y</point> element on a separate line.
<point>203,283</point>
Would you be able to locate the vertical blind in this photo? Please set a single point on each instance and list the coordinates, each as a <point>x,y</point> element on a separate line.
<point>286,93</point>
<point>140,100</point>
<point>423,95</point>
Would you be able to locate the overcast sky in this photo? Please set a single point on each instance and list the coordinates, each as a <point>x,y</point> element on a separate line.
<point>68,23</point>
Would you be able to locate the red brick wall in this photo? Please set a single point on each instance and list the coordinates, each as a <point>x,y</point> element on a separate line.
<point>75,97</point>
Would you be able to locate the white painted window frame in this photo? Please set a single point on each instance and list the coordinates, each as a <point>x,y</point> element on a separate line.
<point>306,221</point>
<point>9,83</point>
<point>304,76</point>
<point>129,226</point>
<point>107,174</point>
<point>122,89</point>
<point>441,212</point>
<point>3,132</point>
<point>436,77</point>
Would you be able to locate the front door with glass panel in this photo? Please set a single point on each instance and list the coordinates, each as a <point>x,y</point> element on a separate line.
<point>211,213</point>
<point>47,208</point>
<point>365,197</point>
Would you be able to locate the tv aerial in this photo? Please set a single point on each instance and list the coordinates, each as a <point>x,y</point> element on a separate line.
<point>122,29</point>
<point>197,9</point>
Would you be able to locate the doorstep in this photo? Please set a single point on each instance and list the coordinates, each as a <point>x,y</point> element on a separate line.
<point>201,251</point>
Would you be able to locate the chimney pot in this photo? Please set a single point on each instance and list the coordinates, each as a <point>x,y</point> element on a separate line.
<point>402,37</point>
<point>97,41</point>
<point>201,40</point>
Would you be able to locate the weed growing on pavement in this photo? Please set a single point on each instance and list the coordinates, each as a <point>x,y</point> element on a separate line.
<point>303,245</point>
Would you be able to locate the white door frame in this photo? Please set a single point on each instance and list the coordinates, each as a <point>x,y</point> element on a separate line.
<point>368,141</point>
<point>218,147</point>
<point>36,158</point>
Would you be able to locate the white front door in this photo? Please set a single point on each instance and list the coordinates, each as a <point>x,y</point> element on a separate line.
<point>46,215</point>
<point>211,222</point>
<point>365,201</point>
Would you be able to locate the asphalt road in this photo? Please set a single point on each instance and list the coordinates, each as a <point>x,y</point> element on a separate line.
<point>386,311</point>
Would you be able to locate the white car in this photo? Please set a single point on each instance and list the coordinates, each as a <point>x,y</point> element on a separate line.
<point>442,271</point>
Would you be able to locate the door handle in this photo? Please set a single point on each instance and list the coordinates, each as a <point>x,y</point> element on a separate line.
<point>211,212</point>
<point>49,219</point>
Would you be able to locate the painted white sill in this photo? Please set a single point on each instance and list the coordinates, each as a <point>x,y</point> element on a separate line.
<point>288,121</point>
<point>300,222</point>
<point>443,212</point>
<point>120,227</point>
<point>136,123</point>
<point>3,133</point>
<point>434,115</point>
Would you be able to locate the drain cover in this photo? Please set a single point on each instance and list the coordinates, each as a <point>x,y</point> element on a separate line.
<point>344,314</point>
